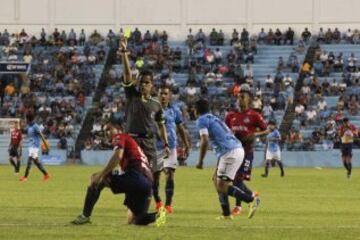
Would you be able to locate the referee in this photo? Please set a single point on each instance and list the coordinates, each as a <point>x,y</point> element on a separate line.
<point>142,111</point>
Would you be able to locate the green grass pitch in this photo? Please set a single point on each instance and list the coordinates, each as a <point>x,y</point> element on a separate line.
<point>306,204</point>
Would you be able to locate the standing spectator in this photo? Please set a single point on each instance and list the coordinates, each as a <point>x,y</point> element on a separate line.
<point>82,38</point>
<point>262,36</point>
<point>277,37</point>
<point>234,37</point>
<point>289,36</point>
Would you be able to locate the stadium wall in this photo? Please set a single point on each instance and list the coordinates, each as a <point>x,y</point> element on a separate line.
<point>176,16</point>
<point>330,158</point>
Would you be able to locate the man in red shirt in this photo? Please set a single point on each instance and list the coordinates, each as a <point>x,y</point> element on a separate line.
<point>347,132</point>
<point>15,147</point>
<point>246,124</point>
<point>126,172</point>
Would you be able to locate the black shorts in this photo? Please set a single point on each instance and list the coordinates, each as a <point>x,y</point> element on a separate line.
<point>137,189</point>
<point>346,149</point>
<point>14,152</point>
<point>244,171</point>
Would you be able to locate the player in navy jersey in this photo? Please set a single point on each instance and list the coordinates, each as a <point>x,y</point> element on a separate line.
<point>230,154</point>
<point>273,154</point>
<point>134,178</point>
<point>35,138</point>
<point>168,163</point>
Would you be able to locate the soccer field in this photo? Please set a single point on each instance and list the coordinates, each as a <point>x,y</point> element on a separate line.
<point>306,204</point>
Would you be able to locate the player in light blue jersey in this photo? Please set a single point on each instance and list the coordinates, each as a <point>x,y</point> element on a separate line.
<point>35,138</point>
<point>273,154</point>
<point>173,122</point>
<point>230,154</point>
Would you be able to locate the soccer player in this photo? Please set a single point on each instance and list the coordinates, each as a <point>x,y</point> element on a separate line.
<point>15,147</point>
<point>134,179</point>
<point>143,111</point>
<point>246,124</point>
<point>173,120</point>
<point>35,136</point>
<point>230,155</point>
<point>347,132</point>
<point>273,154</point>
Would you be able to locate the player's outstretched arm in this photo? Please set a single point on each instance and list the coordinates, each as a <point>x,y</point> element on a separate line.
<point>204,142</point>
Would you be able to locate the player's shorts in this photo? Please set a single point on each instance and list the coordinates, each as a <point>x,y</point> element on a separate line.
<point>229,163</point>
<point>15,152</point>
<point>270,155</point>
<point>137,189</point>
<point>346,149</point>
<point>244,172</point>
<point>34,152</point>
<point>164,161</point>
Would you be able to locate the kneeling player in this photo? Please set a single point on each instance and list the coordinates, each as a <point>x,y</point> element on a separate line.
<point>230,155</point>
<point>273,154</point>
<point>134,179</point>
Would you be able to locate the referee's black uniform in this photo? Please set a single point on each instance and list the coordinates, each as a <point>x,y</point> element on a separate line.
<point>141,117</point>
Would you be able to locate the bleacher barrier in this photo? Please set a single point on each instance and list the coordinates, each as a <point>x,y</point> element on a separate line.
<point>55,157</point>
<point>330,158</point>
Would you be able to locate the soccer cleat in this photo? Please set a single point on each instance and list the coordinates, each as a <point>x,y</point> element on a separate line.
<point>222,217</point>
<point>264,175</point>
<point>23,179</point>
<point>46,177</point>
<point>81,219</point>
<point>254,205</point>
<point>161,217</point>
<point>158,205</point>
<point>169,209</point>
<point>236,211</point>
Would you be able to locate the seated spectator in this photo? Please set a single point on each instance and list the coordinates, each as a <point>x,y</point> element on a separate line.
<point>289,91</point>
<point>213,37</point>
<point>267,111</point>
<point>321,36</point>
<point>244,38</point>
<point>277,37</point>
<point>353,105</point>
<point>311,115</point>
<point>218,56</point>
<point>334,87</point>
<point>289,36</point>
<point>329,135</point>
<point>280,64</point>
<point>82,38</point>
<point>328,36</point>
<point>347,36</point>
<point>270,37</point>
<point>300,48</point>
<point>62,144</point>
<point>10,89</point>
<point>294,140</point>
<point>262,36</point>
<point>325,86</point>
<point>306,34</point>
<point>190,93</point>
<point>336,36</point>
<point>200,36</point>
<point>338,63</point>
<point>269,82</point>
<point>351,63</point>
<point>316,136</point>
<point>234,37</point>
<point>299,109</point>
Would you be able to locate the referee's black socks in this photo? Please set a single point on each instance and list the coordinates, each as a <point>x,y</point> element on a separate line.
<point>169,191</point>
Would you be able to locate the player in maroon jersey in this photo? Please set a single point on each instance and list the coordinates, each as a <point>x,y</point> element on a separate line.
<point>15,147</point>
<point>134,178</point>
<point>246,124</point>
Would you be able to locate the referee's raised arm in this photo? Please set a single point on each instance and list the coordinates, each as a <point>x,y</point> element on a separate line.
<point>128,79</point>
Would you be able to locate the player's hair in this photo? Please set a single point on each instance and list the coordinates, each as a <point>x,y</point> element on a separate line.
<point>30,116</point>
<point>202,106</point>
<point>345,120</point>
<point>165,86</point>
<point>272,122</point>
<point>147,72</point>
